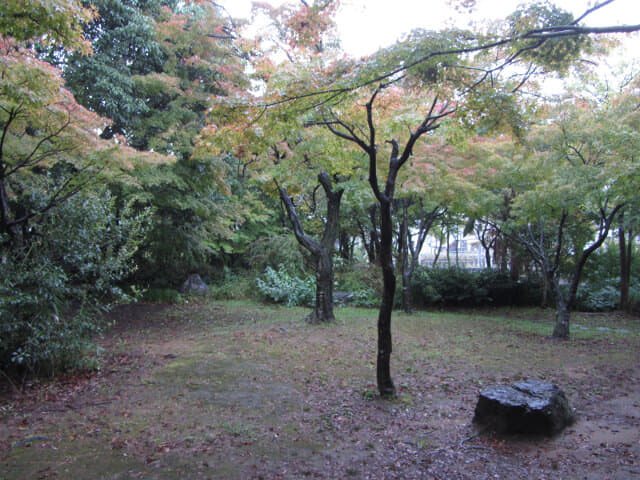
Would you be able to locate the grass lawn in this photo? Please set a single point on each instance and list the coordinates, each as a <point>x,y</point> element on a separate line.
<point>242,390</point>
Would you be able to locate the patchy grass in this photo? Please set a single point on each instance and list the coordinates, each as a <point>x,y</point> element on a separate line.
<point>242,390</point>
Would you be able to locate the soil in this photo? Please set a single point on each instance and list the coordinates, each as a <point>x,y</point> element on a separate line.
<point>245,391</point>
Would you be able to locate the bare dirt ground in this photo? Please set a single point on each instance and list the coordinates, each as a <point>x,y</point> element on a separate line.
<point>244,391</point>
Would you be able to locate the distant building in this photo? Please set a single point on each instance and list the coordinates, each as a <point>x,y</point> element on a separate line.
<point>464,251</point>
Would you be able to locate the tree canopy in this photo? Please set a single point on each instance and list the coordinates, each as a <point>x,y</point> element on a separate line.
<point>211,148</point>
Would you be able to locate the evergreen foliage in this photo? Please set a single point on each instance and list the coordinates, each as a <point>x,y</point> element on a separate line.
<point>457,287</point>
<point>51,294</point>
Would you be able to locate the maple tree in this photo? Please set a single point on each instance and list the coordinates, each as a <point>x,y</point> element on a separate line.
<point>322,250</point>
<point>567,184</point>
<point>622,115</point>
<point>279,147</point>
<point>51,23</point>
<point>63,239</point>
<point>42,127</point>
<point>440,62</point>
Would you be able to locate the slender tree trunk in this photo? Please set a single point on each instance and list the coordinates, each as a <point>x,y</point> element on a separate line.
<point>625,267</point>
<point>344,245</point>
<point>563,307</point>
<point>436,255</point>
<point>407,298</point>
<point>448,249</point>
<point>482,236</point>
<point>383,369</point>
<point>375,239</point>
<point>565,304</point>
<point>370,146</point>
<point>17,234</point>
<point>366,243</point>
<point>403,254</point>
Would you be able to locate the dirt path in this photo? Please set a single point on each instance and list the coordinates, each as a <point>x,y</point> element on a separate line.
<point>244,391</point>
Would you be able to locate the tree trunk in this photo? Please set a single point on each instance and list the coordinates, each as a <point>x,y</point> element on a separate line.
<point>625,267</point>
<point>322,251</point>
<point>544,301</point>
<point>403,254</point>
<point>375,239</point>
<point>487,257</point>
<point>323,309</point>
<point>563,308</point>
<point>385,201</point>
<point>6,217</point>
<point>383,370</point>
<point>448,249</point>
<point>344,244</point>
<point>436,255</point>
<point>407,299</point>
<point>561,329</point>
<point>565,304</point>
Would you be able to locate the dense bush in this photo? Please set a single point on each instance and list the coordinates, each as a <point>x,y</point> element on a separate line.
<point>280,286</point>
<point>162,295</point>
<point>600,287</point>
<point>362,282</point>
<point>602,297</point>
<point>53,285</point>
<point>634,296</point>
<point>462,287</point>
<point>232,285</point>
<point>274,251</point>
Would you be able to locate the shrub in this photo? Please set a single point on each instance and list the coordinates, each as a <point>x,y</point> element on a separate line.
<point>448,286</point>
<point>162,295</point>
<point>280,286</point>
<point>461,287</point>
<point>598,298</point>
<point>274,251</point>
<point>54,285</point>
<point>362,281</point>
<point>634,298</point>
<point>231,286</point>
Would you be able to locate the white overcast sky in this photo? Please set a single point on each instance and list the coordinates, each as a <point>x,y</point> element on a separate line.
<point>366,25</point>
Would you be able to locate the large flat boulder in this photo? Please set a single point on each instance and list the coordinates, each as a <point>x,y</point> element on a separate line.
<point>530,406</point>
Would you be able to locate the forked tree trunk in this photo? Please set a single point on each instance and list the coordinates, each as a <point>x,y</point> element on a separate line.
<point>561,329</point>
<point>322,251</point>
<point>385,200</point>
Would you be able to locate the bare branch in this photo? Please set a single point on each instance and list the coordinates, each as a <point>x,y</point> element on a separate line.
<point>540,34</point>
<point>591,10</point>
<point>303,239</point>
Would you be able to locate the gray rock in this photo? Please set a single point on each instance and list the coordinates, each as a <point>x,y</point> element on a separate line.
<point>530,406</point>
<point>342,298</point>
<point>194,284</point>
